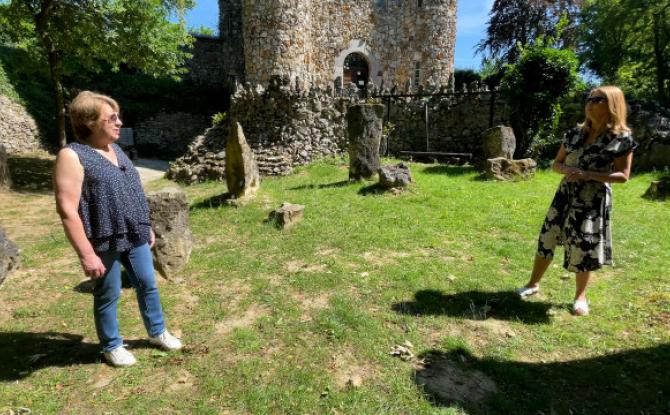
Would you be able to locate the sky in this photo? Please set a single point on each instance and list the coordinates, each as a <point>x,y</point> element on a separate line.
<point>470,27</point>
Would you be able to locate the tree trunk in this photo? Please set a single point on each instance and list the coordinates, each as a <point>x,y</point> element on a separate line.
<point>661,64</point>
<point>55,65</point>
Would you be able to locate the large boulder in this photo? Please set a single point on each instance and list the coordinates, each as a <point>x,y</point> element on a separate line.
<point>174,240</point>
<point>364,126</point>
<point>498,141</point>
<point>5,180</point>
<point>504,169</point>
<point>394,176</point>
<point>9,256</point>
<point>242,176</point>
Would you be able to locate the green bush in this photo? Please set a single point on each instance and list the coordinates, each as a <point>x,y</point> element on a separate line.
<point>534,85</point>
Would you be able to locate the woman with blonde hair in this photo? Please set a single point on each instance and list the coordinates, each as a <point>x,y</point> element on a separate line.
<point>593,155</point>
<point>105,214</point>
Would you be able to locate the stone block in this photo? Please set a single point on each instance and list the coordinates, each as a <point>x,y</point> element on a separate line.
<point>659,189</point>
<point>5,179</point>
<point>499,141</point>
<point>364,125</point>
<point>242,176</point>
<point>174,239</point>
<point>397,176</point>
<point>9,256</point>
<point>504,169</point>
<point>287,215</point>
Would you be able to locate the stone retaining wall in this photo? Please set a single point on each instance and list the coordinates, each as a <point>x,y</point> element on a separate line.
<point>18,130</point>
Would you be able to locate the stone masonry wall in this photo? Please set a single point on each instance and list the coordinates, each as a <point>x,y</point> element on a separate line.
<point>169,134</point>
<point>208,65</point>
<point>286,128</point>
<point>18,130</point>
<point>307,41</point>
<point>455,122</point>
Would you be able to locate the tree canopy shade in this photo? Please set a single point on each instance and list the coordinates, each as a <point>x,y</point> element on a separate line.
<point>92,34</point>
<point>520,22</point>
<point>627,42</point>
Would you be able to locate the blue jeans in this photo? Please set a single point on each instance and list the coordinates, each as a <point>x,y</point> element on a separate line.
<point>138,263</point>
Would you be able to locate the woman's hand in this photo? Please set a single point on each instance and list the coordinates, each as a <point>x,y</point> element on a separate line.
<point>576,175</point>
<point>93,266</point>
<point>152,238</point>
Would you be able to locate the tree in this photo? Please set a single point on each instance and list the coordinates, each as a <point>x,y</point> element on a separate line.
<point>520,22</point>
<point>533,86</point>
<point>627,42</point>
<point>93,34</point>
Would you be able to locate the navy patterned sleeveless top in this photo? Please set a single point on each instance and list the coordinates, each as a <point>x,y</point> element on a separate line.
<point>112,207</point>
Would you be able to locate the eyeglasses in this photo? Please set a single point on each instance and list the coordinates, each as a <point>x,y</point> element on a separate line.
<point>595,100</point>
<point>113,118</point>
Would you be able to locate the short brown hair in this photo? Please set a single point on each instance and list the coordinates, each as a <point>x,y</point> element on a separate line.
<point>85,109</point>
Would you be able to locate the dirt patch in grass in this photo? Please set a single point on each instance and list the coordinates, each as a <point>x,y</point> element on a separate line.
<point>311,303</point>
<point>326,251</point>
<point>241,319</point>
<point>299,266</point>
<point>449,383</point>
<point>349,372</point>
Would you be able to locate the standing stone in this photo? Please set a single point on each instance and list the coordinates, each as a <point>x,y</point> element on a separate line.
<point>499,141</point>
<point>287,215</point>
<point>507,170</point>
<point>174,240</point>
<point>242,175</point>
<point>394,176</point>
<point>9,256</point>
<point>5,180</point>
<point>365,132</point>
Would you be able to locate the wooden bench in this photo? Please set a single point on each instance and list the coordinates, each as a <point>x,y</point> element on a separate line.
<point>436,155</point>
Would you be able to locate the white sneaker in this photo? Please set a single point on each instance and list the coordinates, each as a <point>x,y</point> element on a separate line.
<point>166,341</point>
<point>527,291</point>
<point>120,357</point>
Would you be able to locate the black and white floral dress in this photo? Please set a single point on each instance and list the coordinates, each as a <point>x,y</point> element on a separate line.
<point>579,215</point>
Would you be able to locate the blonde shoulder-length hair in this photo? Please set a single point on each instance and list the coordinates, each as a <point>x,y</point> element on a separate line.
<point>85,110</point>
<point>616,103</point>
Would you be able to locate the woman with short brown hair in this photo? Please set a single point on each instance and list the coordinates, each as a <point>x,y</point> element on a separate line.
<point>105,215</point>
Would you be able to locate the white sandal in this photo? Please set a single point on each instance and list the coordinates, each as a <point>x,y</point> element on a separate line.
<point>527,291</point>
<point>580,308</point>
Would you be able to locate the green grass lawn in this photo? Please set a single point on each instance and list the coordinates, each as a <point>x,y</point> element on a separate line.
<point>303,320</point>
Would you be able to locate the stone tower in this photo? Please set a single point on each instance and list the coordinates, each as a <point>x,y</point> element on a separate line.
<point>324,42</point>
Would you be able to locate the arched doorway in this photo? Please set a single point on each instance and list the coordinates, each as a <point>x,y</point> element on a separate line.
<point>356,69</point>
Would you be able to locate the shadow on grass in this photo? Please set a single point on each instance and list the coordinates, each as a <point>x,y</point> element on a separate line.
<point>634,381</point>
<point>373,189</point>
<point>23,353</point>
<point>31,174</point>
<point>342,183</point>
<point>476,305</point>
<point>449,169</point>
<point>224,199</point>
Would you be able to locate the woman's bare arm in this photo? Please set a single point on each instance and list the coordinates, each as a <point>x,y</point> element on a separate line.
<point>68,178</point>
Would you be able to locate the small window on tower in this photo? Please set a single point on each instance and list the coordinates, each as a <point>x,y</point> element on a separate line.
<point>382,4</point>
<point>419,4</point>
<point>417,74</point>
